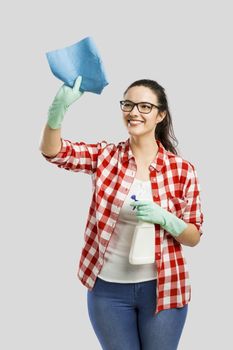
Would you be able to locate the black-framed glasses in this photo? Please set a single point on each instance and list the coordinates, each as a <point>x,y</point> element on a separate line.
<point>143,107</point>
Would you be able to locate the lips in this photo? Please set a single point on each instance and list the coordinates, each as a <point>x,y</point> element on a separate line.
<point>139,120</point>
<point>135,122</point>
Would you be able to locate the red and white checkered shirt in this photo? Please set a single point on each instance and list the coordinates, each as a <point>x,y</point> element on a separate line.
<point>174,186</point>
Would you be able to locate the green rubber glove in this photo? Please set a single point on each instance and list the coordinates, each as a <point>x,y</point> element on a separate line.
<point>152,212</point>
<point>63,99</point>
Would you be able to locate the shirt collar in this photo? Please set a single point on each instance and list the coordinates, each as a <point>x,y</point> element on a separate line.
<point>157,163</point>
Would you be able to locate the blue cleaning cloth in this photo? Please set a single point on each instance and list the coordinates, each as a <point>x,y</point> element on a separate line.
<point>82,59</point>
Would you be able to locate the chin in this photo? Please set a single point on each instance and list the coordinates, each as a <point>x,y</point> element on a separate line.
<point>133,133</point>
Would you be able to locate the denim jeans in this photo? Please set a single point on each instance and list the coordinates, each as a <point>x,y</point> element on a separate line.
<point>122,316</point>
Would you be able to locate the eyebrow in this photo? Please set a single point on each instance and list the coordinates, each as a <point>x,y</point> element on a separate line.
<point>140,102</point>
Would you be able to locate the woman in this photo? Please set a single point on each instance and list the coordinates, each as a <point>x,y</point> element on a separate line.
<point>133,306</point>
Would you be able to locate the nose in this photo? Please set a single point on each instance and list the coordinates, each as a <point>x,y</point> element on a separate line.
<point>134,111</point>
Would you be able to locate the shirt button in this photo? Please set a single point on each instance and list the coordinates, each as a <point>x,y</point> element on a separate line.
<point>158,255</point>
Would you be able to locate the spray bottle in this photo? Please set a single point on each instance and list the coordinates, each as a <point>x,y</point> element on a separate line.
<point>142,249</point>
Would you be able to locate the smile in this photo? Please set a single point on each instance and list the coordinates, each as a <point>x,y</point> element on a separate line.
<point>135,122</point>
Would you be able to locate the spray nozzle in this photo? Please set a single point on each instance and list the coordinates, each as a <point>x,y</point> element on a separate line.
<point>133,197</point>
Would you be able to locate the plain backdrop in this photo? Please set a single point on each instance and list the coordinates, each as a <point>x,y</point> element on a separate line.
<point>186,47</point>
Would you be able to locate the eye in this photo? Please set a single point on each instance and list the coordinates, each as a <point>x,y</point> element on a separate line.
<point>145,107</point>
<point>127,104</point>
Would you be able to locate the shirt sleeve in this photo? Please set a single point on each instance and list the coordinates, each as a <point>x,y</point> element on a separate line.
<point>77,156</point>
<point>193,212</point>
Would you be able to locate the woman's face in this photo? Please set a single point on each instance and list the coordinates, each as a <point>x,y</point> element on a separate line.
<point>137,122</point>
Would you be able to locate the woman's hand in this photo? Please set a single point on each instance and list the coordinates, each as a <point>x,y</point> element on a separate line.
<point>154,213</point>
<point>63,99</point>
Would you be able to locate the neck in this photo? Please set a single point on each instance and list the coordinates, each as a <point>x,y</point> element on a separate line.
<point>146,148</point>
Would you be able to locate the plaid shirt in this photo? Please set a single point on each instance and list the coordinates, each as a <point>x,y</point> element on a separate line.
<point>174,186</point>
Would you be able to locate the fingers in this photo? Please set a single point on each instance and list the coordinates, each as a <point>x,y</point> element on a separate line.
<point>140,204</point>
<point>143,215</point>
<point>77,83</point>
<point>143,218</point>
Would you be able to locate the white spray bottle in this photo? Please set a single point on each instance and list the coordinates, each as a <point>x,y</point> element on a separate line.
<point>142,249</point>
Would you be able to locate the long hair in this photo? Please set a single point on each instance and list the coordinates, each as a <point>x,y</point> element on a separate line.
<point>164,130</point>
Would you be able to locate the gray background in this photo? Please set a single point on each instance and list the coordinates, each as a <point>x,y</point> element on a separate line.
<point>185,46</point>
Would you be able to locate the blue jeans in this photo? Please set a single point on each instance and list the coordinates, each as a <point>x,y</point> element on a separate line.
<point>122,316</point>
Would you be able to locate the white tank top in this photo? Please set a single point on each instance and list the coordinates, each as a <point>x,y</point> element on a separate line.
<point>116,267</point>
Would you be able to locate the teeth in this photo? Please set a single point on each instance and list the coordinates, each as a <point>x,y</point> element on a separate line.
<point>134,122</point>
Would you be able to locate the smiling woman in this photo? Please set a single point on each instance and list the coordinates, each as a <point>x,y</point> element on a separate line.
<point>133,306</point>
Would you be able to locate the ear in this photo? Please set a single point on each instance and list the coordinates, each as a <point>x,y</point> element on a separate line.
<point>161,116</point>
